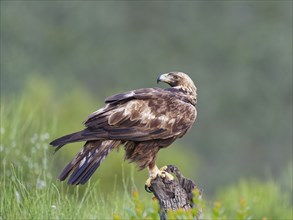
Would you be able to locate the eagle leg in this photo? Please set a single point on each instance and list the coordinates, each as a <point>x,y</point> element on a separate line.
<point>153,173</point>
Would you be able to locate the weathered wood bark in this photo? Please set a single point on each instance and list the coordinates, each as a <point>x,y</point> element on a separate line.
<point>174,194</point>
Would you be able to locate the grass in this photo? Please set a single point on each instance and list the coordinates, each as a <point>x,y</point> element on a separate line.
<point>43,199</point>
<point>29,188</point>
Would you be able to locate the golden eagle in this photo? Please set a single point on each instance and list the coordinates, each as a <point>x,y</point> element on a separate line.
<point>143,121</point>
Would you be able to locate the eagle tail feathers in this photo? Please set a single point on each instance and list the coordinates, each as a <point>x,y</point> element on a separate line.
<point>87,161</point>
<point>69,138</point>
<point>84,135</point>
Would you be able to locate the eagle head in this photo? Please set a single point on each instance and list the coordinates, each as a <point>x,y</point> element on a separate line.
<point>180,81</point>
<point>176,79</point>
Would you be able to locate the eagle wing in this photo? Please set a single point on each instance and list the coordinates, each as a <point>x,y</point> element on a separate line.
<point>141,115</point>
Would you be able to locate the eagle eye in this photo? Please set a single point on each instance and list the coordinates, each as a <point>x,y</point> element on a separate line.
<point>175,77</point>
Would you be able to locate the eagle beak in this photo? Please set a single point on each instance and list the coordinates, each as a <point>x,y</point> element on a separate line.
<point>163,78</point>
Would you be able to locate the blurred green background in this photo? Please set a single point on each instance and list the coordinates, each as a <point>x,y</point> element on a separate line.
<point>61,59</point>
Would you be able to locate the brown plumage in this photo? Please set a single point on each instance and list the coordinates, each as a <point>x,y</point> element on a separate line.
<point>142,120</point>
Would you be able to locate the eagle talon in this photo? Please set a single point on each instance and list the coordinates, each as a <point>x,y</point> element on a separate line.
<point>149,189</point>
<point>164,174</point>
<point>147,185</point>
<point>164,168</point>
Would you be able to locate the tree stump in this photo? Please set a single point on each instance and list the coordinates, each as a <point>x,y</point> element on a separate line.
<point>175,194</point>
